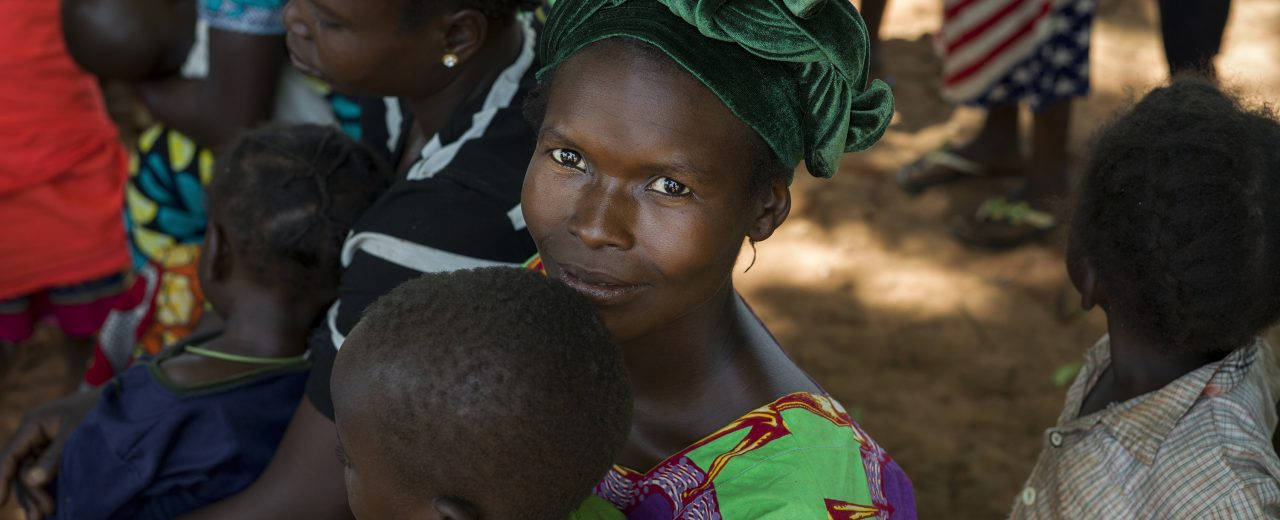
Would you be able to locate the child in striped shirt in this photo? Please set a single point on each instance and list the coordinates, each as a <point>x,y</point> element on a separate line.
<point>1177,238</point>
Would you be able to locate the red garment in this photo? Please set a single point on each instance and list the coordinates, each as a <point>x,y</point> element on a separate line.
<point>62,167</point>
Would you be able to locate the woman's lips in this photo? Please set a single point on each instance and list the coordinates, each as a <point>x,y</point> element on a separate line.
<point>601,289</point>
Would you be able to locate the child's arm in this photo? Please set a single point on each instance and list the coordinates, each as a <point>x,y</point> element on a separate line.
<point>238,92</point>
<point>33,453</point>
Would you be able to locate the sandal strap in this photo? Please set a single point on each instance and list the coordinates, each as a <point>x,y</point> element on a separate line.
<point>1018,213</point>
<point>947,158</point>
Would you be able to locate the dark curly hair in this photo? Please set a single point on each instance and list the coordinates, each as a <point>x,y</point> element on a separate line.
<point>766,168</point>
<point>414,12</point>
<point>285,198</point>
<point>1180,213</point>
<point>488,379</point>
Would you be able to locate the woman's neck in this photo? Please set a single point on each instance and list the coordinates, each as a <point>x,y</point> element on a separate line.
<point>701,372</point>
<point>259,324</point>
<point>432,112</point>
<point>682,359</point>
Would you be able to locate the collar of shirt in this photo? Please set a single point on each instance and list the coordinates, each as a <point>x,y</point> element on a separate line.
<point>1141,424</point>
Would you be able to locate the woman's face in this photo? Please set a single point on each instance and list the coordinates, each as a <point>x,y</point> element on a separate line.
<point>637,192</point>
<point>360,47</point>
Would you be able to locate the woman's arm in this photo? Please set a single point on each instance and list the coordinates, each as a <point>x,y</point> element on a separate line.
<point>238,93</point>
<point>304,480</point>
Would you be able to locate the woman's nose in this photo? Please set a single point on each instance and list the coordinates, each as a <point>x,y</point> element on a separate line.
<point>603,216</point>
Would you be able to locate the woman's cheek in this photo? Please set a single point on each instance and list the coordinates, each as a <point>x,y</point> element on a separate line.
<point>541,199</point>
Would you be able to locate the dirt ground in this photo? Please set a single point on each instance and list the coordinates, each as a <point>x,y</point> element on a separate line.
<point>945,354</point>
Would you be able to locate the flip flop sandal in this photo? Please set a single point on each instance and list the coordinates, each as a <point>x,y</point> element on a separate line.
<point>909,180</point>
<point>1001,223</point>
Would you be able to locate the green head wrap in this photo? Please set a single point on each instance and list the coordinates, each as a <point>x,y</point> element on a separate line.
<point>795,71</point>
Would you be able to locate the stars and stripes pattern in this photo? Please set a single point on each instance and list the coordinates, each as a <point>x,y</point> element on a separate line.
<point>1002,51</point>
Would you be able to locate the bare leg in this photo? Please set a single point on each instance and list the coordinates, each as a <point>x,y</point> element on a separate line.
<point>873,13</point>
<point>995,148</point>
<point>1017,220</point>
<point>1192,32</point>
<point>8,352</point>
<point>1047,172</point>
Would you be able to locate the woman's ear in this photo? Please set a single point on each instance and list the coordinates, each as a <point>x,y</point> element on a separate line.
<point>464,33</point>
<point>771,211</point>
<point>449,508</point>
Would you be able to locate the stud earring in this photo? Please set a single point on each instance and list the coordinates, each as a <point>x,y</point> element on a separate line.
<point>450,60</point>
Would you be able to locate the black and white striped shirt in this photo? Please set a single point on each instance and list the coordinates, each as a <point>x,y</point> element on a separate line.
<point>458,207</point>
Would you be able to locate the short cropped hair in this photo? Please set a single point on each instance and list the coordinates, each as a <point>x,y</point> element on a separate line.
<point>1180,211</point>
<point>489,382</point>
<point>286,197</point>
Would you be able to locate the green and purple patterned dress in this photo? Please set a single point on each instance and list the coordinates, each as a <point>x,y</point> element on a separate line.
<point>798,457</point>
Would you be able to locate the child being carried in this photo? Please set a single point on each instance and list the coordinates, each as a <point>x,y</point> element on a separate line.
<point>489,393</point>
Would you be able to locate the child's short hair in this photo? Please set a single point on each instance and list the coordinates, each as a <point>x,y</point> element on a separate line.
<point>286,196</point>
<point>1180,212</point>
<point>498,383</point>
<point>128,39</point>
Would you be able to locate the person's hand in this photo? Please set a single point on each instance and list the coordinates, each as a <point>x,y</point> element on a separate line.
<point>29,462</point>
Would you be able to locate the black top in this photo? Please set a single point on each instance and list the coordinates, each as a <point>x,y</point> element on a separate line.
<point>457,208</point>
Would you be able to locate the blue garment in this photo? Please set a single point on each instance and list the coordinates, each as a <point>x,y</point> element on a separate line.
<point>155,449</point>
<point>264,17</point>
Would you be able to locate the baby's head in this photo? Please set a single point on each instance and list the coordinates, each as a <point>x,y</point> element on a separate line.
<point>281,202</point>
<point>129,39</point>
<point>489,393</point>
<point>1177,232</point>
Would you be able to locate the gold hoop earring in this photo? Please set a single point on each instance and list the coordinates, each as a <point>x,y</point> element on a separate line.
<point>753,255</point>
<point>449,60</point>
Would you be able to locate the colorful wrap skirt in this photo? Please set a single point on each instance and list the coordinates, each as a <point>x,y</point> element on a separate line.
<point>996,52</point>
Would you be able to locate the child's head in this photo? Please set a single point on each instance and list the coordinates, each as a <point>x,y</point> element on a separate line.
<point>129,39</point>
<point>490,393</point>
<point>281,202</point>
<point>1177,232</point>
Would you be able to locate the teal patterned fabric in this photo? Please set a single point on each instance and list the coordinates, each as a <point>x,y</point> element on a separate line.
<point>244,16</point>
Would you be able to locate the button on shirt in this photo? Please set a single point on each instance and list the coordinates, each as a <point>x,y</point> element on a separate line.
<point>1197,448</point>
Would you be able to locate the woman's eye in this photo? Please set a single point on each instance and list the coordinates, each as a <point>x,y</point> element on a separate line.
<point>568,158</point>
<point>669,186</point>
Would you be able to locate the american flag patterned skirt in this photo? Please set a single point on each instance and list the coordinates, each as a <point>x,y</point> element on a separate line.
<point>1004,51</point>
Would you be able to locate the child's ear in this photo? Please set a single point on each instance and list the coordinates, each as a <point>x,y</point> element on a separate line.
<point>774,208</point>
<point>1092,290</point>
<point>449,508</point>
<point>215,261</point>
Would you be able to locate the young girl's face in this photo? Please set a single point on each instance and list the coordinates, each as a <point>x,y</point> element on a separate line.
<point>637,192</point>
<point>360,47</point>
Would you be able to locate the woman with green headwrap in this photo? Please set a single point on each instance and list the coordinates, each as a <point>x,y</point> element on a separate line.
<point>669,131</point>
